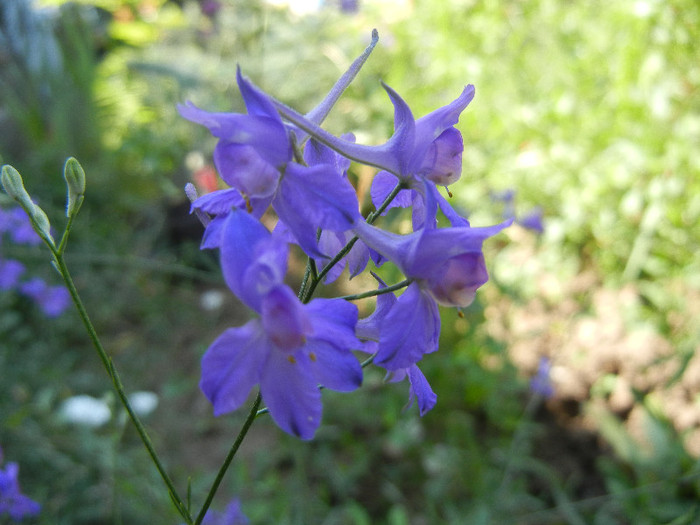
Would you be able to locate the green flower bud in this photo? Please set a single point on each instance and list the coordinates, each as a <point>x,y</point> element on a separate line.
<point>75,181</point>
<point>14,186</point>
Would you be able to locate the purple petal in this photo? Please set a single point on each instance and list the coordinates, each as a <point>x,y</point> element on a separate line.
<point>312,198</point>
<point>442,163</point>
<point>267,135</point>
<point>252,261</point>
<point>432,125</point>
<point>420,389</point>
<point>368,328</point>
<point>232,366</point>
<point>532,220</point>
<point>10,272</point>
<point>316,153</point>
<point>284,318</point>
<point>331,243</point>
<point>291,393</point>
<point>333,367</point>
<point>455,282</point>
<point>213,233</point>
<point>410,330</point>
<point>257,102</point>
<point>219,202</point>
<point>334,321</point>
<point>382,185</point>
<point>242,167</point>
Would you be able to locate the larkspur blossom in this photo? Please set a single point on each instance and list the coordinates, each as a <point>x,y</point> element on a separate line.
<point>428,148</point>
<point>370,330</point>
<point>233,515</point>
<point>274,156</point>
<point>541,382</point>
<point>12,502</point>
<point>446,266</point>
<point>290,349</point>
<point>254,157</point>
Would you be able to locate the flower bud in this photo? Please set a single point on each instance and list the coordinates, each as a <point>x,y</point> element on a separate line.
<point>14,186</point>
<point>75,181</point>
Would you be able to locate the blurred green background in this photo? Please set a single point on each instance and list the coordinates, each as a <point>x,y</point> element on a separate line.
<point>589,110</point>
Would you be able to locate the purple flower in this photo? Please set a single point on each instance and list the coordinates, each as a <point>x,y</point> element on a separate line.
<point>16,222</point>
<point>53,300</point>
<point>419,388</point>
<point>233,515</point>
<point>541,383</point>
<point>429,148</point>
<point>12,502</point>
<point>446,266</point>
<point>532,220</point>
<point>290,349</point>
<point>374,330</point>
<point>254,156</point>
<point>10,272</point>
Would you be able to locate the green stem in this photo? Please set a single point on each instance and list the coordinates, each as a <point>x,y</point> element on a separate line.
<point>380,291</point>
<point>345,249</point>
<point>116,381</point>
<point>229,458</point>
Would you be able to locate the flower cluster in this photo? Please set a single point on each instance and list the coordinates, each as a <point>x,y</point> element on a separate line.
<point>52,300</point>
<point>12,502</point>
<point>274,157</point>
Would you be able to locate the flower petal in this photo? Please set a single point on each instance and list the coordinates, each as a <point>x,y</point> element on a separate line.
<point>410,330</point>
<point>291,393</point>
<point>312,198</point>
<point>420,389</point>
<point>252,260</point>
<point>334,321</point>
<point>232,364</point>
<point>333,367</point>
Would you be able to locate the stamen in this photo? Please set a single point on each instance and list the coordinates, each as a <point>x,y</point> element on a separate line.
<point>312,356</point>
<point>449,193</point>
<point>291,359</point>
<point>248,206</point>
<point>460,313</point>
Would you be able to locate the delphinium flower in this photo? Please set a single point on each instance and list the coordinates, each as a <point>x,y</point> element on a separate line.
<point>254,156</point>
<point>13,503</point>
<point>275,156</point>
<point>541,383</point>
<point>290,349</point>
<point>52,300</point>
<point>370,329</point>
<point>531,220</point>
<point>428,148</point>
<point>445,265</point>
<point>233,515</point>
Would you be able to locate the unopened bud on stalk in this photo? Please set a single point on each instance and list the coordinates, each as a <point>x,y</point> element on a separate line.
<point>75,181</point>
<point>14,186</point>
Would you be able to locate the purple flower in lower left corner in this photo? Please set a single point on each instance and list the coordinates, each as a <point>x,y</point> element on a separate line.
<point>12,502</point>
<point>290,349</point>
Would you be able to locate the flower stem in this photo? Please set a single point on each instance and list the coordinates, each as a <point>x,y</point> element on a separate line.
<point>345,249</point>
<point>229,458</point>
<point>380,291</point>
<point>116,381</point>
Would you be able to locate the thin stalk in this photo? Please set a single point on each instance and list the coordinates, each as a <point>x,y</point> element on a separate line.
<point>117,384</point>
<point>229,458</point>
<point>345,249</point>
<point>380,291</point>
